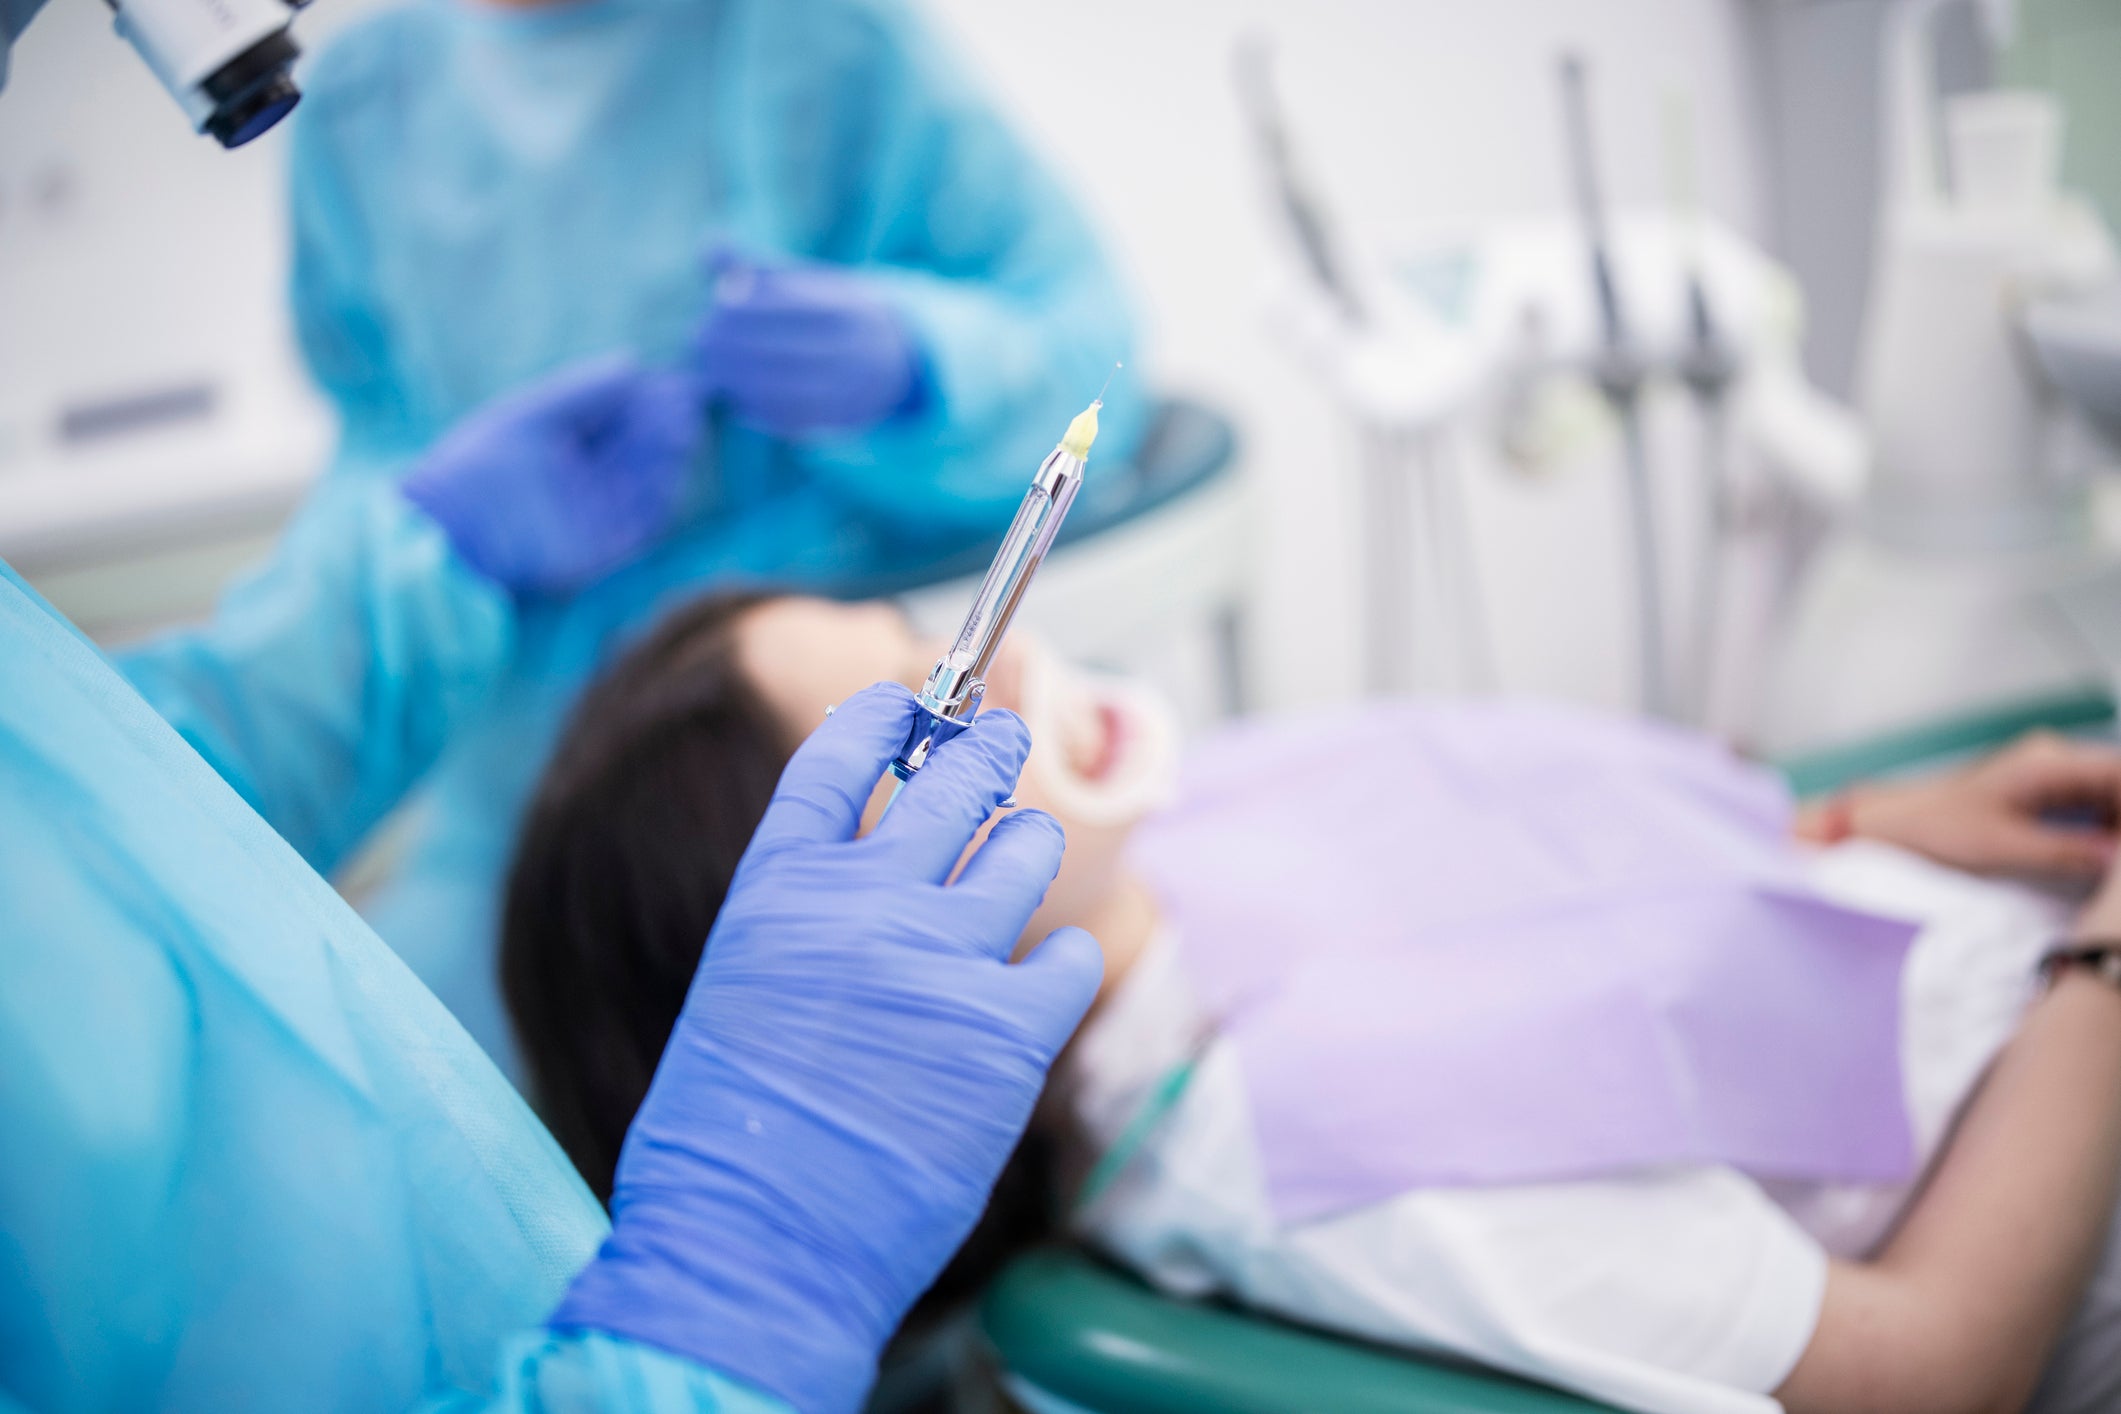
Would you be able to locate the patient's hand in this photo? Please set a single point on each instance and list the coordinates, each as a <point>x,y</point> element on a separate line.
<point>2045,806</point>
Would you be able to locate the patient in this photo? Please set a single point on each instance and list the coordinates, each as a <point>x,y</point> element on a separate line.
<point>1519,1034</point>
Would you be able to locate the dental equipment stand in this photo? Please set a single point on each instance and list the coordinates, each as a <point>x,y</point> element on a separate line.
<point>1432,343</point>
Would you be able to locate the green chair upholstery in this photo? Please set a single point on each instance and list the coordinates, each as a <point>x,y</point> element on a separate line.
<point>1088,1337</point>
<point>1073,1334</point>
<point>1939,743</point>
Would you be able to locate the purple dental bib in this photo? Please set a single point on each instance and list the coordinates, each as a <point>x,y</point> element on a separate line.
<point>1505,943</point>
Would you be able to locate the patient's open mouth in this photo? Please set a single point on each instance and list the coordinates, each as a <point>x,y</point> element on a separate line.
<point>1111,742</point>
<point>1099,734</point>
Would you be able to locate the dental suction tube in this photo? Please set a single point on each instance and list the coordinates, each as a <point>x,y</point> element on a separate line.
<point>1620,373</point>
<point>1309,226</point>
<point>951,696</point>
<point>228,63</point>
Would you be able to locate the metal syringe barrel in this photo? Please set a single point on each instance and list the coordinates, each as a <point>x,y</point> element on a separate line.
<point>951,695</point>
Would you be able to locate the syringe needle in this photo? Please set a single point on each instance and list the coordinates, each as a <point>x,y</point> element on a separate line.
<point>1116,367</point>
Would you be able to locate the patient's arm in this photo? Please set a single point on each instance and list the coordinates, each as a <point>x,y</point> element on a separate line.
<point>1997,816</point>
<point>1961,1310</point>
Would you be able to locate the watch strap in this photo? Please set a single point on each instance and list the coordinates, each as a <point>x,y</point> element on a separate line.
<point>2100,956</point>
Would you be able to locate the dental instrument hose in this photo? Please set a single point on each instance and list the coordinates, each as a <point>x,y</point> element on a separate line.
<point>1620,375</point>
<point>951,696</point>
<point>1708,368</point>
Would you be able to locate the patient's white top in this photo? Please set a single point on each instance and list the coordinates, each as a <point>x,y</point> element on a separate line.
<point>1682,1289</point>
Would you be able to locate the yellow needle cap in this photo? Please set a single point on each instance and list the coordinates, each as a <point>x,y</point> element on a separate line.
<point>1083,431</point>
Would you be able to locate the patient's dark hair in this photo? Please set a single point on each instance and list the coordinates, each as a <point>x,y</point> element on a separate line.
<point>625,856</point>
<point>623,861</point>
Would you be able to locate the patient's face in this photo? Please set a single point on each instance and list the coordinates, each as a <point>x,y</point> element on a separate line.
<point>803,655</point>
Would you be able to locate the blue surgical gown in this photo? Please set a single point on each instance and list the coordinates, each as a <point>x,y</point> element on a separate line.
<point>484,192</point>
<point>251,1163</point>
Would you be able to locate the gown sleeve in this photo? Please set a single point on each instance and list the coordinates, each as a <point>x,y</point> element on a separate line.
<point>327,683</point>
<point>555,1372</point>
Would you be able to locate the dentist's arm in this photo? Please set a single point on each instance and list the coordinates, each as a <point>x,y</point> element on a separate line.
<point>326,684</point>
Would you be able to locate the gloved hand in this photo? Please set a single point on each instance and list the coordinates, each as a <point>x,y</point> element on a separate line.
<point>563,480</point>
<point>803,348</point>
<point>853,1064</point>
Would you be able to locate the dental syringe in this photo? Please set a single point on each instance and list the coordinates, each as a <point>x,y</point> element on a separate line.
<point>951,695</point>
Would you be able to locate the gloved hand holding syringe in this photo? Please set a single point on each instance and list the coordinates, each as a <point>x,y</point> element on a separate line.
<point>951,696</point>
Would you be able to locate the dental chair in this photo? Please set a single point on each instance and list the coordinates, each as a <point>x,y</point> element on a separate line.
<point>1067,1334</point>
<point>1070,1335</point>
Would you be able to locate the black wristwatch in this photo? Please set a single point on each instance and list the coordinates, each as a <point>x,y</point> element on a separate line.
<point>2100,956</point>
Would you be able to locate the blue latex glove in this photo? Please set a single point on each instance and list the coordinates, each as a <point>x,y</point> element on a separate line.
<point>564,480</point>
<point>802,348</point>
<point>854,1062</point>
